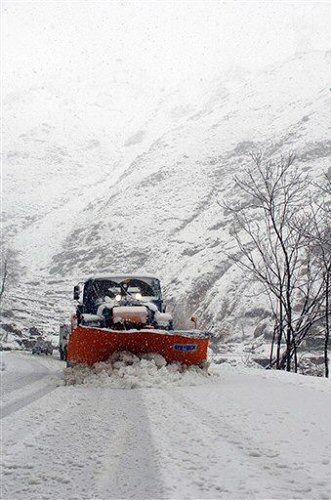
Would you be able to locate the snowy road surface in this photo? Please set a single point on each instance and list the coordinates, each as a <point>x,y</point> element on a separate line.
<point>243,434</point>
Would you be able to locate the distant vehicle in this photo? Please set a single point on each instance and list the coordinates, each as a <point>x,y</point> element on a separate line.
<point>42,347</point>
<point>63,340</point>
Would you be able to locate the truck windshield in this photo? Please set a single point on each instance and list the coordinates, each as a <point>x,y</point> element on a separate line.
<point>144,289</point>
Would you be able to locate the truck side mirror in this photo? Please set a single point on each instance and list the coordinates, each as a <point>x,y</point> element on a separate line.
<point>76,292</point>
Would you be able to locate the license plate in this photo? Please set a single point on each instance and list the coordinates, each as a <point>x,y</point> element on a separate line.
<point>186,347</point>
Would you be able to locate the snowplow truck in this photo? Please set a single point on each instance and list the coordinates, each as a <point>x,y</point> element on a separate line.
<point>126,313</point>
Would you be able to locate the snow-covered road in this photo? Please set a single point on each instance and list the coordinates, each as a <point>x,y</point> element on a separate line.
<point>25,379</point>
<point>242,434</point>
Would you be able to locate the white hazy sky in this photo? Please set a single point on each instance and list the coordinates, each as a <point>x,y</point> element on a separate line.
<point>157,43</point>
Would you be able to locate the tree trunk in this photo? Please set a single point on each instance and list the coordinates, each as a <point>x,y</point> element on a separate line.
<point>280,332</point>
<point>289,329</point>
<point>327,323</point>
<point>4,278</point>
<point>295,356</point>
<point>272,344</point>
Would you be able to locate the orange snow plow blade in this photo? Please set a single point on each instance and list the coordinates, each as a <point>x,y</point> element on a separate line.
<point>89,345</point>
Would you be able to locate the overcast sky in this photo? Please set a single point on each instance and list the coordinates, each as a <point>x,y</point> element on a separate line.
<point>160,43</point>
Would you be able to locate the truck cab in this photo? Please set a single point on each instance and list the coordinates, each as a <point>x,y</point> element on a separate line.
<point>121,289</point>
<point>121,302</point>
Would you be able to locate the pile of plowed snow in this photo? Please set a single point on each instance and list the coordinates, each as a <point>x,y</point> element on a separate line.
<point>128,371</point>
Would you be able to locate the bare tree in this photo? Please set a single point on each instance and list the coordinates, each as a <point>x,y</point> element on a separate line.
<point>270,230</point>
<point>319,240</point>
<point>9,270</point>
<point>4,274</point>
<point>326,258</point>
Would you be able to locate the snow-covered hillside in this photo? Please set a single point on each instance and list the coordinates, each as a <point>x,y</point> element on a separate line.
<point>143,194</point>
<point>237,434</point>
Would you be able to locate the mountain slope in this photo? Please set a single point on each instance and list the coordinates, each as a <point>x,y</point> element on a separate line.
<point>160,212</point>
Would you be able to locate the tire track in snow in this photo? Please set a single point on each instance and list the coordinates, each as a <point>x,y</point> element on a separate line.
<point>135,460</point>
<point>209,458</point>
<point>9,408</point>
<point>267,461</point>
<point>22,381</point>
<point>20,391</point>
<point>193,459</point>
<point>83,443</point>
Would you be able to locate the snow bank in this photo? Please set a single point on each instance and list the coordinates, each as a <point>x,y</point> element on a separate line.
<point>128,371</point>
<point>9,341</point>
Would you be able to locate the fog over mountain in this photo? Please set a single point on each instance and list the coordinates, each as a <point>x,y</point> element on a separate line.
<point>124,126</point>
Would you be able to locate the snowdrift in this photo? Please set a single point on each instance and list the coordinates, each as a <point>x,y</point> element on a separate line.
<point>125,370</point>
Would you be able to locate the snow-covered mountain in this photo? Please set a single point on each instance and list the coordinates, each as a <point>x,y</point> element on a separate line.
<point>90,185</point>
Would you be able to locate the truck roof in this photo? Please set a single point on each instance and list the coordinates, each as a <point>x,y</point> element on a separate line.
<point>108,276</point>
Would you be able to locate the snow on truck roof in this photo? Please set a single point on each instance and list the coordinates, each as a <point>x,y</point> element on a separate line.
<point>108,276</point>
